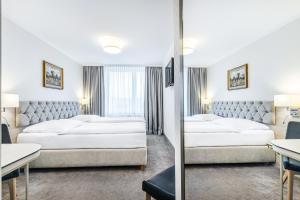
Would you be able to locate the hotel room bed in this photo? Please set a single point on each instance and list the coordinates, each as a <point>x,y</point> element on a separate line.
<point>81,140</point>
<point>235,132</point>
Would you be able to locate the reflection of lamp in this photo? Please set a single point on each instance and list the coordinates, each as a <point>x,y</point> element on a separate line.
<point>291,102</point>
<point>205,102</point>
<point>189,45</point>
<point>84,101</point>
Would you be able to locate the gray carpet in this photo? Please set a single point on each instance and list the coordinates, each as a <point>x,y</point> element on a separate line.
<point>118,183</point>
<point>242,182</point>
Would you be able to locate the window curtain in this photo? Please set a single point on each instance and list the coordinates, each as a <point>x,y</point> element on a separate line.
<point>154,100</point>
<point>196,90</point>
<point>93,88</point>
<point>124,90</point>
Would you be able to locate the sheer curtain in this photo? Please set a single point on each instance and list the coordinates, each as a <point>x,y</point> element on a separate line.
<point>124,90</point>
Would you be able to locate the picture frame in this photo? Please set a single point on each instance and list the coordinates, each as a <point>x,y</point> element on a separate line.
<point>53,76</point>
<point>237,78</point>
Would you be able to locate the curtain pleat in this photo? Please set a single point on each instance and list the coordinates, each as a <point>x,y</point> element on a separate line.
<point>93,88</point>
<point>196,90</point>
<point>154,100</point>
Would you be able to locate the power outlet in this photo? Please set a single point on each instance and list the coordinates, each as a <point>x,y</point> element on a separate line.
<point>294,112</point>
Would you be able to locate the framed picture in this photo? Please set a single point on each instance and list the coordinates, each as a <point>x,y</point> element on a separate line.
<point>237,78</point>
<point>53,76</point>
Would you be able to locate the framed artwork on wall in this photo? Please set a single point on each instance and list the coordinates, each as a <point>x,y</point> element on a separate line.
<point>237,78</point>
<point>53,76</point>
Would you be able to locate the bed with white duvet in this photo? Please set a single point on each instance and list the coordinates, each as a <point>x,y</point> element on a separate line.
<point>213,139</point>
<point>88,140</point>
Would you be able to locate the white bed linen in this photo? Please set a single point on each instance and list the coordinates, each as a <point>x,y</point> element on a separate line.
<point>201,118</point>
<point>96,141</point>
<point>206,127</point>
<point>107,128</point>
<point>251,137</point>
<point>241,124</point>
<point>98,119</point>
<point>55,126</point>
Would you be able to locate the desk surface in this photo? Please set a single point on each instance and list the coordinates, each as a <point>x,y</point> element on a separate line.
<point>12,153</point>
<point>292,145</point>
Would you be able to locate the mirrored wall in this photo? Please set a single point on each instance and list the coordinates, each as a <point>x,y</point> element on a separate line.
<point>241,73</point>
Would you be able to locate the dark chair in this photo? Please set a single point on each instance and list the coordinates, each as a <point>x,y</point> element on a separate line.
<point>11,177</point>
<point>291,165</point>
<point>161,186</point>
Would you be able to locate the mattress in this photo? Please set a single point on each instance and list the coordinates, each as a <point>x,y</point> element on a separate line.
<point>89,141</point>
<point>242,138</point>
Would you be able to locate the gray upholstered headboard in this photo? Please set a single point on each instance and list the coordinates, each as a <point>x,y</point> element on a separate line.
<point>32,112</point>
<point>259,111</point>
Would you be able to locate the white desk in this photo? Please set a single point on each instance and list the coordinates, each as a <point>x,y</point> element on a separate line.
<point>15,156</point>
<point>289,148</point>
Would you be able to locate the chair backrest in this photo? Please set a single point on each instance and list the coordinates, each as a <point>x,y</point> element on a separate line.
<point>293,130</point>
<point>5,134</point>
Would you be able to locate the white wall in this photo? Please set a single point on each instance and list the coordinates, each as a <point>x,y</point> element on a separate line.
<point>169,103</point>
<point>22,56</point>
<point>274,67</point>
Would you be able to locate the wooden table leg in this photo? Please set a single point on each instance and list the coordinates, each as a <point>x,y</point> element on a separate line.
<point>26,171</point>
<point>12,189</point>
<point>290,184</point>
<point>148,197</point>
<point>281,176</point>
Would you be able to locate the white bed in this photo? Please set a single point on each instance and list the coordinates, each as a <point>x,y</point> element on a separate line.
<point>85,141</point>
<point>213,139</point>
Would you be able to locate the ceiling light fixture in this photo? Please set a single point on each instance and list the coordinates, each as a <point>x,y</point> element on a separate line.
<point>112,45</point>
<point>189,46</point>
<point>188,50</point>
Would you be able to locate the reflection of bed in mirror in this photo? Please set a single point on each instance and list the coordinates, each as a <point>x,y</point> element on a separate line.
<point>234,132</point>
<point>72,140</point>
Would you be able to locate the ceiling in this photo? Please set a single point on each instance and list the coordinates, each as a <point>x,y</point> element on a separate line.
<point>75,27</point>
<point>223,27</point>
<point>220,27</point>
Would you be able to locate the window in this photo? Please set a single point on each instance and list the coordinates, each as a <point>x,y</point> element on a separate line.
<point>124,90</point>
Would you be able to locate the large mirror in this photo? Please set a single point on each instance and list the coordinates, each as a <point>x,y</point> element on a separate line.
<point>242,89</point>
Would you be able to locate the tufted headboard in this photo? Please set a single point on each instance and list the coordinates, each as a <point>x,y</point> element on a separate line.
<point>259,111</point>
<point>32,112</point>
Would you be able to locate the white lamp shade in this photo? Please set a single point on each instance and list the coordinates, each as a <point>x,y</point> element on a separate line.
<point>84,101</point>
<point>9,100</point>
<point>287,100</point>
<point>206,101</point>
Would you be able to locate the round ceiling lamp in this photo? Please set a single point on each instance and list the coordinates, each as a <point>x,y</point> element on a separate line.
<point>112,49</point>
<point>188,50</point>
<point>112,45</point>
<point>189,46</point>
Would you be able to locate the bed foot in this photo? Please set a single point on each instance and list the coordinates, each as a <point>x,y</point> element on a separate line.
<point>142,167</point>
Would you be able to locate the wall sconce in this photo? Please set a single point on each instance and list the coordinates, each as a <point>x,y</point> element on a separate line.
<point>206,103</point>
<point>9,101</point>
<point>84,101</point>
<point>291,102</point>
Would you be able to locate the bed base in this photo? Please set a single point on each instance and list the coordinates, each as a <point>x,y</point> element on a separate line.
<point>229,154</point>
<point>91,158</point>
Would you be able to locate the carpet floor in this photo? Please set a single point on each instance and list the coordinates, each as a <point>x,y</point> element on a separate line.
<point>207,182</point>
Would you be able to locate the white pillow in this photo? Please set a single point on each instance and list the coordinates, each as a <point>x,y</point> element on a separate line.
<point>206,117</point>
<point>241,124</point>
<point>86,118</point>
<point>53,126</point>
